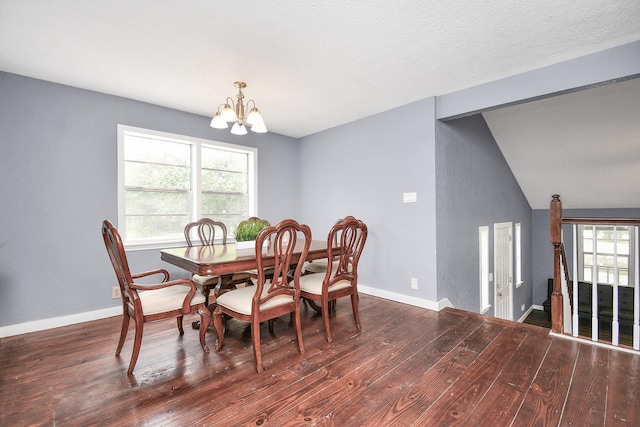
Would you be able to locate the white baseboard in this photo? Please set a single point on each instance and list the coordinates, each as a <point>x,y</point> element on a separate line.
<point>56,322</point>
<point>525,314</point>
<point>406,299</point>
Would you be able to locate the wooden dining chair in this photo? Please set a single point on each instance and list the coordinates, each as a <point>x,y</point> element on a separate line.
<point>205,230</point>
<point>341,277</point>
<point>320,266</point>
<point>269,298</point>
<point>149,302</point>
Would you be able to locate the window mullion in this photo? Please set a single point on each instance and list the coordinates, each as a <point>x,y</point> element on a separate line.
<point>196,182</point>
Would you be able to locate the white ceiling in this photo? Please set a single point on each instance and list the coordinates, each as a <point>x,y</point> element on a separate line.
<point>584,146</point>
<point>317,64</point>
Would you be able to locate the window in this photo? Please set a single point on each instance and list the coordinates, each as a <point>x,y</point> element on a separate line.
<point>167,180</point>
<point>483,237</point>
<point>611,249</point>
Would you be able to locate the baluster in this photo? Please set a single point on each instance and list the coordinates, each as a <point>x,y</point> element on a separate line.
<point>636,292</point>
<point>576,327</point>
<point>594,288</point>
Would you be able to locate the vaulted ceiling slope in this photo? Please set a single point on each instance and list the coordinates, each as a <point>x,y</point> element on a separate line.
<point>309,65</point>
<point>584,146</point>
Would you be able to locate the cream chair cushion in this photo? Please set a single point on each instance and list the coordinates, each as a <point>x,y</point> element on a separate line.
<point>166,299</point>
<point>205,280</point>
<point>240,300</point>
<point>321,266</point>
<point>316,267</point>
<point>312,283</point>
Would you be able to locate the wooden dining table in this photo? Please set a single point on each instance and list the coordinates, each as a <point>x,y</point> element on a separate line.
<point>228,259</point>
<point>220,260</point>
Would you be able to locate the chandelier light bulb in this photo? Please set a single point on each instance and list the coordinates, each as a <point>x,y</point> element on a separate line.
<point>254,117</point>
<point>259,128</point>
<point>228,114</point>
<point>234,112</point>
<point>218,122</point>
<point>238,129</point>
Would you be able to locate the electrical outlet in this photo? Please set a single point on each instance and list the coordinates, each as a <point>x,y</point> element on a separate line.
<point>414,283</point>
<point>115,292</point>
<point>522,308</point>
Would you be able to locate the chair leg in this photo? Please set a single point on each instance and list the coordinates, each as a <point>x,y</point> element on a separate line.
<point>298,328</point>
<point>217,324</point>
<point>123,332</point>
<point>270,321</point>
<point>205,320</point>
<point>325,320</point>
<point>179,319</point>
<point>255,338</point>
<point>137,341</point>
<point>356,314</point>
<point>206,290</point>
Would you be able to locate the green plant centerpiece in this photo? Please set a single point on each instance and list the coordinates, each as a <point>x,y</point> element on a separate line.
<point>249,229</point>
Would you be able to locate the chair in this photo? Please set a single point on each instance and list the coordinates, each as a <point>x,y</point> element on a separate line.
<point>146,303</point>
<point>341,277</point>
<point>319,266</point>
<point>268,299</point>
<point>206,231</point>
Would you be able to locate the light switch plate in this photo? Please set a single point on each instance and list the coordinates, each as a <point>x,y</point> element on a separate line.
<point>409,197</point>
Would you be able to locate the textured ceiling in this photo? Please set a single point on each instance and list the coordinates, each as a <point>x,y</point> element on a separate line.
<point>310,65</point>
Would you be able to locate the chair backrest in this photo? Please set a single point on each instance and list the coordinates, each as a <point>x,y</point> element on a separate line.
<point>118,257</point>
<point>206,230</point>
<point>283,237</point>
<point>349,235</point>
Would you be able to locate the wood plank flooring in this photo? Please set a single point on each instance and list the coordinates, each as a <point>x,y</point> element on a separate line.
<point>408,366</point>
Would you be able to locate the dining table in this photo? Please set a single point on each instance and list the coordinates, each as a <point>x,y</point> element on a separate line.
<point>226,259</point>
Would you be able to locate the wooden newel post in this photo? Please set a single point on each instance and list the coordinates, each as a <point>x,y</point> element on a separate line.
<point>556,241</point>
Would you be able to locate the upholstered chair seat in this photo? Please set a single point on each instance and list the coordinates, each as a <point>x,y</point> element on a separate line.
<point>312,284</point>
<point>240,300</point>
<point>166,299</point>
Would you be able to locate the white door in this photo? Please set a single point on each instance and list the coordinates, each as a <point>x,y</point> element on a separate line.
<point>503,261</point>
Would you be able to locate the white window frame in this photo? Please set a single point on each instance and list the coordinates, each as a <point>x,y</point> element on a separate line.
<point>631,256</point>
<point>195,210</point>
<point>484,273</point>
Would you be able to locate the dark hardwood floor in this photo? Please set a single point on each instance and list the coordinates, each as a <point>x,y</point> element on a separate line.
<point>408,366</point>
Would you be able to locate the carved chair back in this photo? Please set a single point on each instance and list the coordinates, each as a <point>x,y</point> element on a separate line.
<point>206,231</point>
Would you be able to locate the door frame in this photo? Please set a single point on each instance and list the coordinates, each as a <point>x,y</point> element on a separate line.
<point>498,226</point>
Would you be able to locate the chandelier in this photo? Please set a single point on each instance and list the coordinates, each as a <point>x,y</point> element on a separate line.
<point>235,112</point>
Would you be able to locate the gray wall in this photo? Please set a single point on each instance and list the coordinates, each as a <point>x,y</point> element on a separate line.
<point>475,187</point>
<point>543,250</point>
<point>361,169</point>
<point>58,182</point>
